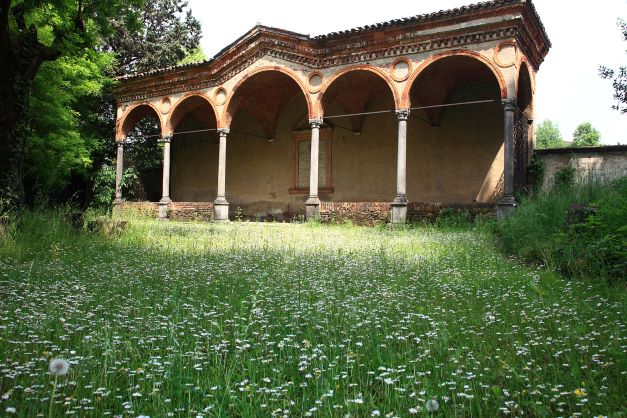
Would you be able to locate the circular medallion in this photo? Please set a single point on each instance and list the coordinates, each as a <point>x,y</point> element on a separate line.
<point>506,54</point>
<point>220,96</point>
<point>315,82</point>
<point>165,105</point>
<point>400,69</point>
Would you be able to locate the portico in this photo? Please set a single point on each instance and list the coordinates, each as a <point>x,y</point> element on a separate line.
<point>432,108</point>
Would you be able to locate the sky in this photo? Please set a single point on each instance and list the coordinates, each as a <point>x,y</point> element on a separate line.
<point>569,90</point>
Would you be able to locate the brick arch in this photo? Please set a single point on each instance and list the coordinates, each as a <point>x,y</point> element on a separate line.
<point>228,112</point>
<point>359,67</point>
<point>169,129</point>
<point>134,114</point>
<point>524,89</point>
<point>406,99</point>
<point>524,62</point>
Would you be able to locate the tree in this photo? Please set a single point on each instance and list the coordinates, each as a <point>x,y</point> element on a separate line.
<point>619,78</point>
<point>586,136</point>
<point>33,32</point>
<point>168,34</point>
<point>548,135</point>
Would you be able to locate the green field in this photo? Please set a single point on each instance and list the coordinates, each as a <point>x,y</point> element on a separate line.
<point>246,319</point>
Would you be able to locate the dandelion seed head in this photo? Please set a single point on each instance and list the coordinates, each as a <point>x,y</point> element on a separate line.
<point>59,367</point>
<point>432,405</point>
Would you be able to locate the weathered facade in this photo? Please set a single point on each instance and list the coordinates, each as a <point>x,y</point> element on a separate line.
<point>431,108</point>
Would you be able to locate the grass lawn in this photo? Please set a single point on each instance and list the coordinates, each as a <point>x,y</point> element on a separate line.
<point>252,319</point>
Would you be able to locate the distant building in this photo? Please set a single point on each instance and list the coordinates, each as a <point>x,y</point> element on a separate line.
<point>381,118</point>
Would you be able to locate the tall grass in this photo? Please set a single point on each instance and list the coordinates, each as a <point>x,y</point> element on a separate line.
<point>592,247</point>
<point>246,319</point>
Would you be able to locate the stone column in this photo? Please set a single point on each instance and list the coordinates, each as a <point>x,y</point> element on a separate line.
<point>507,203</point>
<point>399,204</point>
<point>119,172</point>
<point>312,204</point>
<point>221,205</point>
<point>165,195</point>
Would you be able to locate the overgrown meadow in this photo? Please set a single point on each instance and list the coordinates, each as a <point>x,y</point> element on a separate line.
<point>246,319</point>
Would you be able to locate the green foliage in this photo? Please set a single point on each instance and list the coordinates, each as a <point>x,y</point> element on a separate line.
<point>194,56</point>
<point>104,186</point>
<point>168,35</point>
<point>586,136</point>
<point>593,249</point>
<point>536,172</point>
<point>548,135</point>
<point>58,144</point>
<point>565,177</point>
<point>619,77</point>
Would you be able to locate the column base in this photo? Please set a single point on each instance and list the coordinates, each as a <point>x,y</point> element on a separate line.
<point>220,210</point>
<point>312,208</point>
<point>505,207</point>
<point>399,209</point>
<point>163,210</point>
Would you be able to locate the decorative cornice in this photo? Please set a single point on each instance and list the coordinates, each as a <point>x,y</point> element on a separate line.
<point>399,38</point>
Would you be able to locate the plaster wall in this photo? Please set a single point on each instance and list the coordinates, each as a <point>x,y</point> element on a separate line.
<point>462,161</point>
<point>602,163</point>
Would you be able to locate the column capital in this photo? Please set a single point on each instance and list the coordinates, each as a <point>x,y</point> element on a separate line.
<point>165,138</point>
<point>402,114</point>
<point>223,131</point>
<point>509,104</point>
<point>315,123</point>
<point>120,144</point>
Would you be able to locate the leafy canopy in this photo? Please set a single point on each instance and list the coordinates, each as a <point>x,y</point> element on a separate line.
<point>586,136</point>
<point>548,135</point>
<point>169,33</point>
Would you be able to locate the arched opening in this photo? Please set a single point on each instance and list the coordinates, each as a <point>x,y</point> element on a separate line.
<point>194,154</point>
<point>363,145</point>
<point>455,153</point>
<point>142,156</point>
<point>523,128</point>
<point>524,95</point>
<point>266,112</point>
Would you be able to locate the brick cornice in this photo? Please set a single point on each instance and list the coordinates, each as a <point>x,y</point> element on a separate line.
<point>352,48</point>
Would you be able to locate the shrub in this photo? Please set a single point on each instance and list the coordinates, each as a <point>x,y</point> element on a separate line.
<point>592,247</point>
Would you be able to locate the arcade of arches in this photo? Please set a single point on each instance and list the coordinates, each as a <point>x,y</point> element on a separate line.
<point>434,108</point>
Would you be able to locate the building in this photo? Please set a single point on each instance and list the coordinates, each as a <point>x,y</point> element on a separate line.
<point>379,119</point>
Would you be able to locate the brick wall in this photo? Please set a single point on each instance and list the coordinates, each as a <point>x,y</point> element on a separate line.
<point>191,211</point>
<point>178,211</point>
<point>360,213</point>
<point>144,209</point>
<point>427,211</point>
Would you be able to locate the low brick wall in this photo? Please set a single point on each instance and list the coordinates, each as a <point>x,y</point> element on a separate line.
<point>177,211</point>
<point>191,211</point>
<point>360,213</point>
<point>373,213</point>
<point>144,209</point>
<point>428,211</point>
